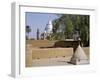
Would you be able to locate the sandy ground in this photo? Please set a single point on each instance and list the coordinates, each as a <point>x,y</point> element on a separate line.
<point>52,62</point>
<point>51,57</point>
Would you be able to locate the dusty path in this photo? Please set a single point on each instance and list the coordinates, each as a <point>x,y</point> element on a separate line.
<point>51,62</point>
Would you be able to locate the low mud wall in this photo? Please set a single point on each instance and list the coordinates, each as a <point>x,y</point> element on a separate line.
<point>51,53</point>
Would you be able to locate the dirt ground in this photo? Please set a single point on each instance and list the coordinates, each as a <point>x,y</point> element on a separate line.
<point>38,53</point>
<point>36,56</point>
<point>51,62</point>
<point>53,57</point>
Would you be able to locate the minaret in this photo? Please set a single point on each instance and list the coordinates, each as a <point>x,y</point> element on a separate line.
<point>38,34</point>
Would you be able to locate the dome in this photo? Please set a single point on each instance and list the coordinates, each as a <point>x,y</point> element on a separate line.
<point>49,27</point>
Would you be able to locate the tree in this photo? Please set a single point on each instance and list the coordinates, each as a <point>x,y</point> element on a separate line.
<point>28,30</point>
<point>67,27</point>
<point>71,24</point>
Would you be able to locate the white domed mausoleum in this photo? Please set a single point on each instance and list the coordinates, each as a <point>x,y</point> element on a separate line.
<point>48,30</point>
<point>49,27</point>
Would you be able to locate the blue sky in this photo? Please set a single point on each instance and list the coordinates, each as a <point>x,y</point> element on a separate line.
<point>38,21</point>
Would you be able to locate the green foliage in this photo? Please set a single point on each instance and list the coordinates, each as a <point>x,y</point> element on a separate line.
<point>57,36</point>
<point>71,23</point>
<point>28,30</point>
<point>68,28</point>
